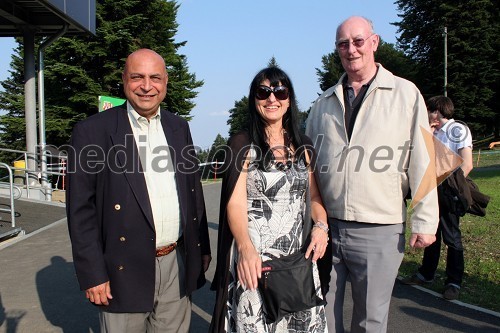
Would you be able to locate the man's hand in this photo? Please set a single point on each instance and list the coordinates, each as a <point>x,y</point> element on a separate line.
<point>206,259</point>
<point>421,240</point>
<point>435,126</point>
<point>100,294</point>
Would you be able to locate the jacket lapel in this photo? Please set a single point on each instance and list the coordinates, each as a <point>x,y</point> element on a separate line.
<point>127,155</point>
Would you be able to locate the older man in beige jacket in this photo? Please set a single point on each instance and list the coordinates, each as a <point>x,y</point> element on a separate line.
<point>374,148</point>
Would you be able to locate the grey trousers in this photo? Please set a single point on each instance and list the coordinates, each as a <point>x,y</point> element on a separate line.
<point>369,255</point>
<point>172,310</point>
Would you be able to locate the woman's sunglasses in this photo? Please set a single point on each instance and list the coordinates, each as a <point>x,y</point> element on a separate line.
<point>280,92</point>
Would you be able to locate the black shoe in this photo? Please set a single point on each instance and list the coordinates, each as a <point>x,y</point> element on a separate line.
<point>451,292</point>
<point>413,280</point>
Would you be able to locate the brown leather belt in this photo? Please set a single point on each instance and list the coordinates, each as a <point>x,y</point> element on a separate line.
<point>164,250</point>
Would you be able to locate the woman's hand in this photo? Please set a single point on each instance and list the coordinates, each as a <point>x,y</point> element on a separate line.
<point>319,242</point>
<point>249,267</point>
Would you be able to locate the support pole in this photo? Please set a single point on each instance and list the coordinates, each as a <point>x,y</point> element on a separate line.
<point>30,100</point>
<point>41,100</point>
<point>445,34</point>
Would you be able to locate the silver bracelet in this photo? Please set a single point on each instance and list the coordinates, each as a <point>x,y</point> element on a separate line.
<point>322,225</point>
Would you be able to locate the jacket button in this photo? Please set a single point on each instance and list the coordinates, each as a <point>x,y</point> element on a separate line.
<point>117,207</point>
<point>199,244</point>
<point>121,268</point>
<point>194,219</point>
<point>192,190</point>
<point>122,239</point>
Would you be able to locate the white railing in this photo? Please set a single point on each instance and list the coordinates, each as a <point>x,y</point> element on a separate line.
<point>11,208</point>
<point>38,179</point>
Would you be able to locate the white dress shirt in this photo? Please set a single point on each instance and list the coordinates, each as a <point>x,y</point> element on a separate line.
<point>455,135</point>
<point>159,173</point>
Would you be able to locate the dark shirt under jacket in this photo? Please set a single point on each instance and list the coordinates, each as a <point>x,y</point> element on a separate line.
<point>353,103</point>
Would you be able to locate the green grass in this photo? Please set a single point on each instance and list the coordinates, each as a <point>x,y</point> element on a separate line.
<point>486,158</point>
<point>481,240</point>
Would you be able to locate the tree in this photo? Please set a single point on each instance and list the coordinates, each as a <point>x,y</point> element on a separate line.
<point>79,69</point>
<point>332,71</point>
<point>238,116</point>
<point>273,63</point>
<point>216,154</point>
<point>473,28</point>
<point>395,60</point>
<point>13,124</point>
<point>202,155</point>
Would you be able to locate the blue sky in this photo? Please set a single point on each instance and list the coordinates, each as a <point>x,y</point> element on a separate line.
<point>229,41</point>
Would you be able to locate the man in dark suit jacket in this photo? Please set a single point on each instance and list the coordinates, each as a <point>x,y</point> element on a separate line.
<point>135,207</point>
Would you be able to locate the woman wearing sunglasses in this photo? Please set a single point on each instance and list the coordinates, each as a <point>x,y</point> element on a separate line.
<point>267,181</point>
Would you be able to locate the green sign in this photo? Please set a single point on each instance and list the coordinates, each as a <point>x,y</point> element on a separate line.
<point>107,102</point>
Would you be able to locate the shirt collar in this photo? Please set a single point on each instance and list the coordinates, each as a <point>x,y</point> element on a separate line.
<point>444,128</point>
<point>136,116</point>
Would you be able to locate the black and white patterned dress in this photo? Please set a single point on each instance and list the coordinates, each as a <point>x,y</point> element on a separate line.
<point>276,206</point>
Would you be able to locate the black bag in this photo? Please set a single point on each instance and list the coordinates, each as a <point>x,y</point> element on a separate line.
<point>287,286</point>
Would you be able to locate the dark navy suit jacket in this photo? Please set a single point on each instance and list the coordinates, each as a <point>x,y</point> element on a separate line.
<point>109,213</point>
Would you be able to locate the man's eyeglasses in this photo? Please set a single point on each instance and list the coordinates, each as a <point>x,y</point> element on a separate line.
<point>358,42</point>
<point>280,92</point>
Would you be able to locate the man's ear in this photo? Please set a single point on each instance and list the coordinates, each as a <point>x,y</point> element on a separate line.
<point>376,42</point>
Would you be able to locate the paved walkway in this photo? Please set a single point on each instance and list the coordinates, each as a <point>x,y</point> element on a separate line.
<point>39,291</point>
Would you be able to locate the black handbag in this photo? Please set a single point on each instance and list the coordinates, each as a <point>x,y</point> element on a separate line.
<point>287,283</point>
<point>287,286</point>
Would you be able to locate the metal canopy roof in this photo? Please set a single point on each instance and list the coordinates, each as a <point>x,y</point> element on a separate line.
<point>46,17</point>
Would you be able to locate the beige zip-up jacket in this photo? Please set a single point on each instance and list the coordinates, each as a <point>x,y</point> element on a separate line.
<point>390,153</point>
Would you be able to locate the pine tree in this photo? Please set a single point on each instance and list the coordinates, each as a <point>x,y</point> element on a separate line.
<point>273,63</point>
<point>238,116</point>
<point>216,155</point>
<point>13,124</point>
<point>473,28</point>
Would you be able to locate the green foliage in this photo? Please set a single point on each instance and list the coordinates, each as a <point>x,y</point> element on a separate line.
<point>332,71</point>
<point>202,155</point>
<point>396,61</point>
<point>238,116</point>
<point>215,154</point>
<point>273,63</point>
<point>472,48</point>
<point>12,124</point>
<point>79,69</point>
